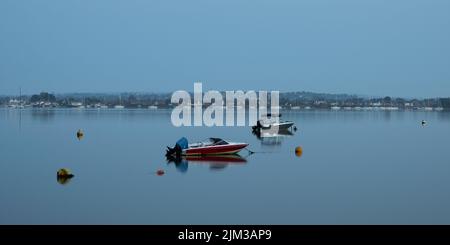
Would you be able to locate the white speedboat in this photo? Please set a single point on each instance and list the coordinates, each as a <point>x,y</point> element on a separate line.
<point>273,122</point>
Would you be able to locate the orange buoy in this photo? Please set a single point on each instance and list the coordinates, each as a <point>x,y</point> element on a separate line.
<point>298,151</point>
<point>160,172</point>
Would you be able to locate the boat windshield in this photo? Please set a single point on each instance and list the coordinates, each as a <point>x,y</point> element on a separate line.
<point>218,141</point>
<point>270,115</point>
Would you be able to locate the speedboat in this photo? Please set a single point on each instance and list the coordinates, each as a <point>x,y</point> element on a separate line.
<point>280,125</point>
<point>272,123</point>
<point>213,146</point>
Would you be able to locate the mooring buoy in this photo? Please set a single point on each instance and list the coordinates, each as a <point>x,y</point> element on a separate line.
<point>160,172</point>
<point>298,151</point>
<point>80,134</point>
<point>63,176</point>
<point>64,172</point>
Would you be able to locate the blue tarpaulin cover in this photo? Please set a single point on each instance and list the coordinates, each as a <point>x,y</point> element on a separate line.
<point>183,143</point>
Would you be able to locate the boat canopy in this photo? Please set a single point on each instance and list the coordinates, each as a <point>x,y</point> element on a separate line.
<point>273,115</point>
<point>218,141</point>
<point>183,143</point>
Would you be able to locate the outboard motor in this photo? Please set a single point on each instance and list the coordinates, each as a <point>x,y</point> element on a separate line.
<point>174,152</point>
<point>177,150</point>
<point>257,127</point>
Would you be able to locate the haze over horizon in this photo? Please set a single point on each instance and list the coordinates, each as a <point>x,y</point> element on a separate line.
<point>373,47</point>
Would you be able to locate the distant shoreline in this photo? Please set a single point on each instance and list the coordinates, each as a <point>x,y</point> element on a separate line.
<point>288,100</point>
<point>345,109</point>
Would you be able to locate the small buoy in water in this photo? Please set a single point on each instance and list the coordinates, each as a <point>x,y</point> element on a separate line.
<point>80,134</point>
<point>64,172</point>
<point>63,176</point>
<point>424,122</point>
<point>298,151</point>
<point>160,172</point>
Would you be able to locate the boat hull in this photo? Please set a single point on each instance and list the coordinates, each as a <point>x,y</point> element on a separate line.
<point>283,125</point>
<point>215,150</point>
<point>280,126</point>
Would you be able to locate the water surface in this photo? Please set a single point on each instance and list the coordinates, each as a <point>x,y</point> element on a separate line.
<point>357,167</point>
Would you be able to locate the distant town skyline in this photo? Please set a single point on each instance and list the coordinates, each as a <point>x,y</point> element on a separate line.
<point>364,47</point>
<point>290,100</point>
<point>20,91</point>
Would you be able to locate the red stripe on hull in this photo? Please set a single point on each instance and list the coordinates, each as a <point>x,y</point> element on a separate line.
<point>216,150</point>
<point>216,158</point>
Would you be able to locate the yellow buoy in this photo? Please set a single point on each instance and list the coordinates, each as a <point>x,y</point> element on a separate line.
<point>63,176</point>
<point>298,151</point>
<point>80,134</point>
<point>64,172</point>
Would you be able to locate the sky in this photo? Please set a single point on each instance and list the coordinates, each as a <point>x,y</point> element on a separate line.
<point>365,47</point>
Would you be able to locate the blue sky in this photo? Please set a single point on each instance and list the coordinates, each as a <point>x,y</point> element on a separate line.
<point>368,47</point>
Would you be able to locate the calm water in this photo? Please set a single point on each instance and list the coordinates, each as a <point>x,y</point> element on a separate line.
<point>356,168</point>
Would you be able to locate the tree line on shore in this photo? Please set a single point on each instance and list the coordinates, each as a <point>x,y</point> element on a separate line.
<point>162,100</point>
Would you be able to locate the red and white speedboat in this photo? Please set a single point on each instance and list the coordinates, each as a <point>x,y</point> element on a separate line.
<point>214,146</point>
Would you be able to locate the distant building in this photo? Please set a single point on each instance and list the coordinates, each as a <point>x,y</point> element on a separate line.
<point>445,103</point>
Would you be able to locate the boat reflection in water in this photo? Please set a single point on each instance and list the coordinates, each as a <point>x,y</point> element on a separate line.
<point>269,138</point>
<point>215,162</point>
